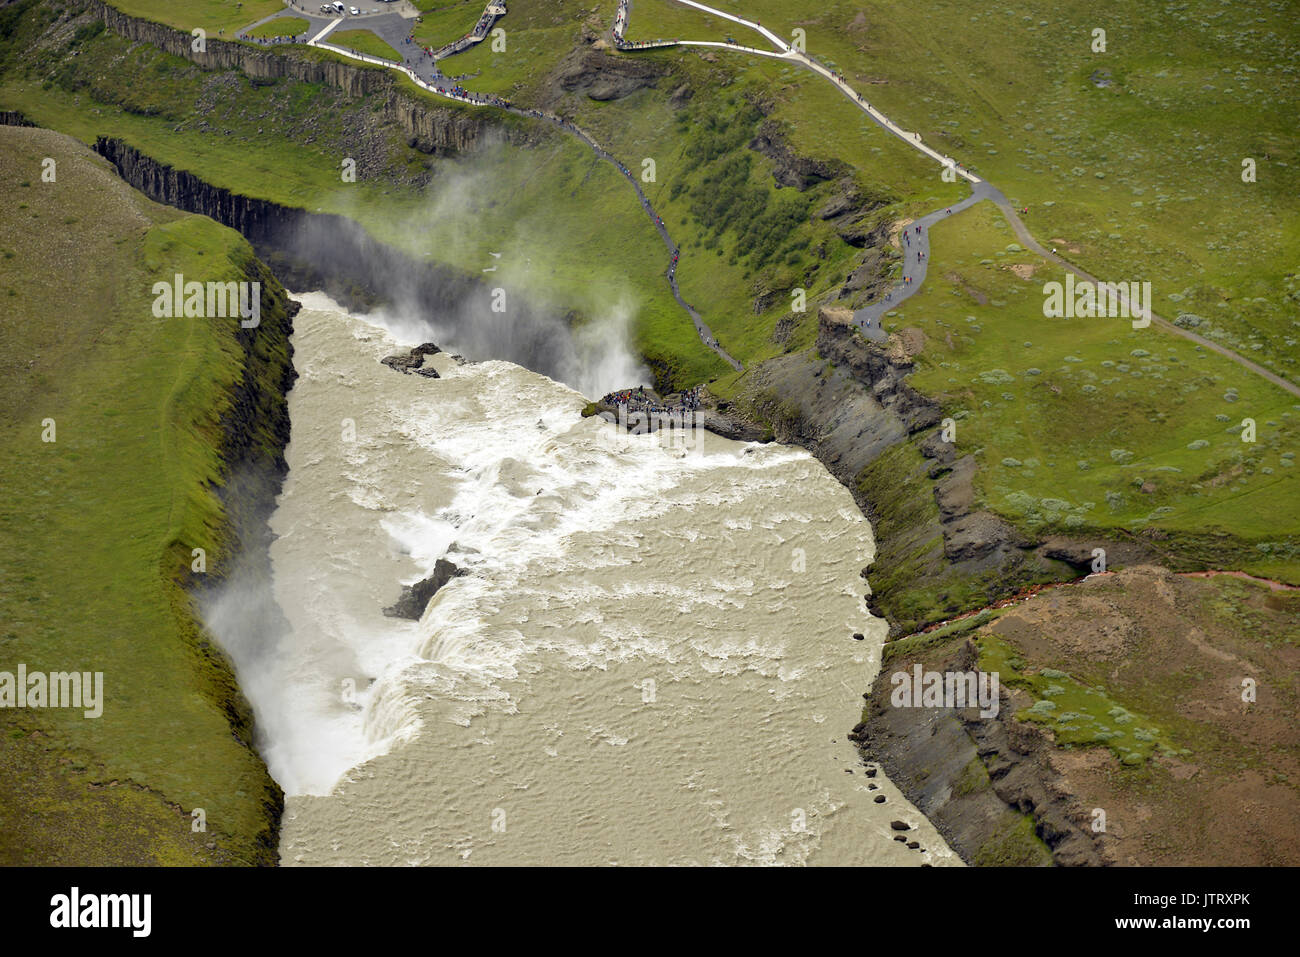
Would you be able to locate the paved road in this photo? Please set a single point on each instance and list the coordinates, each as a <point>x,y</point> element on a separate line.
<point>705,333</point>
<point>423,70</point>
<point>390,22</point>
<point>868,319</point>
<point>915,242</point>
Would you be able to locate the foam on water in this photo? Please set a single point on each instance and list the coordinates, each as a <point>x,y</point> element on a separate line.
<point>647,659</point>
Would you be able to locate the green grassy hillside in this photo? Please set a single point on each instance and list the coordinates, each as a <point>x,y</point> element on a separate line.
<point>1078,427</point>
<point>1132,155</point>
<point>1086,425</point>
<point>97,527</point>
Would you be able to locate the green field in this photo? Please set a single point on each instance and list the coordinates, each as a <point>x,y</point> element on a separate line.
<point>281,27</point>
<point>441,22</point>
<point>1132,155</point>
<point>1087,427</point>
<point>1078,714</point>
<point>219,17</point>
<point>665,20</point>
<point>110,461</point>
<point>363,41</point>
<point>1089,423</point>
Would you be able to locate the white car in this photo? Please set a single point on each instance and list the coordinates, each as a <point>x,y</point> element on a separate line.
<point>354,11</point>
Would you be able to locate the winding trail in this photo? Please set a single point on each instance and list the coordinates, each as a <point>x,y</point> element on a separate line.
<point>393,29</point>
<point>705,333</point>
<point>388,26</point>
<point>915,245</point>
<point>867,319</point>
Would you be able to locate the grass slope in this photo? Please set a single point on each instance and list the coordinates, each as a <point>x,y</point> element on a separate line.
<point>1083,424</point>
<point>363,41</point>
<point>97,527</point>
<point>1132,154</point>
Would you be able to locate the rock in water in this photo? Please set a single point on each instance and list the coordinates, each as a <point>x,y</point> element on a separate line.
<point>413,361</point>
<point>415,598</point>
<point>403,363</point>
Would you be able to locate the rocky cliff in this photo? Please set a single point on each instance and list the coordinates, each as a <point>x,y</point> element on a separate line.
<point>254,434</point>
<point>849,402</point>
<point>432,129</point>
<point>336,255</point>
<point>990,786</point>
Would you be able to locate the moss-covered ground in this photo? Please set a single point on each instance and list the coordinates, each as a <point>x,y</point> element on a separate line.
<point>110,461</point>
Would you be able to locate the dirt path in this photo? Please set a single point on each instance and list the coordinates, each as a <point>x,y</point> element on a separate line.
<point>1028,593</point>
<point>452,91</point>
<point>868,318</point>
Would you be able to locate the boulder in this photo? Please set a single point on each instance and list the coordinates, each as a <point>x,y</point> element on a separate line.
<point>415,598</point>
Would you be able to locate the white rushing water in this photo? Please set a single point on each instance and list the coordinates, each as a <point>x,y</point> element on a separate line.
<point>649,658</point>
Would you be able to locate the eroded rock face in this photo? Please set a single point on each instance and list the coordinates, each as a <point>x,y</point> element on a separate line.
<point>791,169</point>
<point>431,129</point>
<point>712,416</point>
<point>1169,646</point>
<point>972,775</point>
<point>885,375</point>
<point>602,77</point>
<point>415,598</point>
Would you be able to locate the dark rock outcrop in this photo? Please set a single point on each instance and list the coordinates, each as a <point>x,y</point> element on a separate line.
<point>431,129</point>
<point>600,76</point>
<point>972,776</point>
<point>791,169</point>
<point>415,598</point>
<point>641,418</point>
<point>413,361</point>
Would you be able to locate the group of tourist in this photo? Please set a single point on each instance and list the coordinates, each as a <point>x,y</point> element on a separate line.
<point>410,41</point>
<point>271,41</point>
<point>620,28</point>
<point>460,93</point>
<point>640,400</point>
<point>484,23</point>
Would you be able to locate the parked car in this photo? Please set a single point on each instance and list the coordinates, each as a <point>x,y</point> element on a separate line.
<point>354,11</point>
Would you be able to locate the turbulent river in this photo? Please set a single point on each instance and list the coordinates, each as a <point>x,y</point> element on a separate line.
<point>649,658</point>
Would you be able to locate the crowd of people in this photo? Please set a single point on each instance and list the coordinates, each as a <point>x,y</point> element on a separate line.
<point>272,41</point>
<point>489,17</point>
<point>620,28</point>
<point>642,400</point>
<point>460,93</point>
<point>411,41</point>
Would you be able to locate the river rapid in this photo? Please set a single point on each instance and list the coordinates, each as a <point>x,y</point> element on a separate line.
<point>648,659</point>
